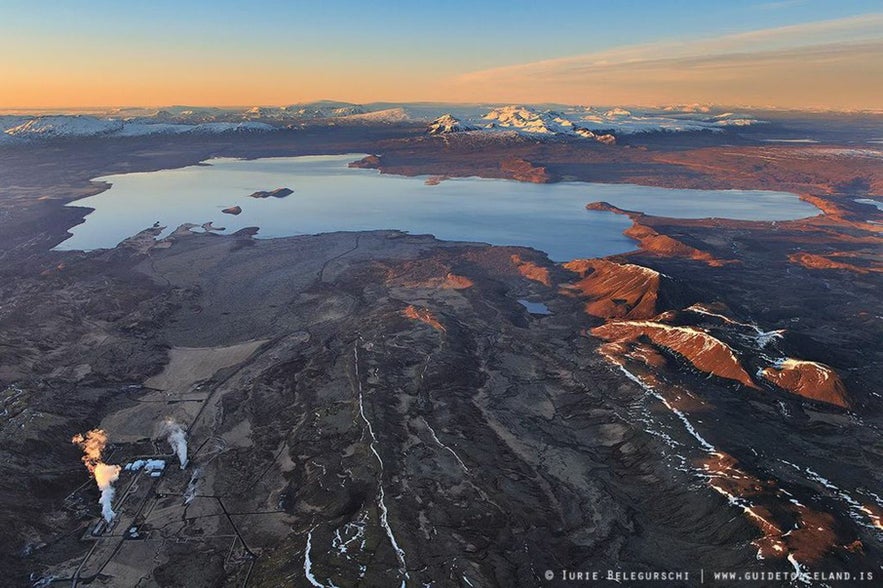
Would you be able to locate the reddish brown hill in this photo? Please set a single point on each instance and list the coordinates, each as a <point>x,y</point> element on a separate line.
<point>524,171</point>
<point>615,290</point>
<point>809,379</point>
<point>705,352</point>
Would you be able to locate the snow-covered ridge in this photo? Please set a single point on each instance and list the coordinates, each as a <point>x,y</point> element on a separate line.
<point>519,117</point>
<point>60,126</point>
<point>42,127</point>
<point>694,119</point>
<point>532,122</point>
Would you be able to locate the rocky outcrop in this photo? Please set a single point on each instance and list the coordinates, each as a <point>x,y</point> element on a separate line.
<point>234,210</point>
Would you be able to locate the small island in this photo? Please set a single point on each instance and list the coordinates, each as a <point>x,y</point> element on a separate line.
<point>277,193</point>
<point>234,210</point>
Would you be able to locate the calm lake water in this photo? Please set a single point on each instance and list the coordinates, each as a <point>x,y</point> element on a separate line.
<point>534,307</point>
<point>328,196</point>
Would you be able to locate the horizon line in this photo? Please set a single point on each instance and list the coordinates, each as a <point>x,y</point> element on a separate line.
<point>393,104</point>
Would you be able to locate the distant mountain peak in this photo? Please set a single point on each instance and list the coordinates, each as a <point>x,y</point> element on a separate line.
<point>448,123</point>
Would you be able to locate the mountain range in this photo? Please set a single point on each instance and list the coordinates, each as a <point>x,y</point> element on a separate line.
<point>536,120</point>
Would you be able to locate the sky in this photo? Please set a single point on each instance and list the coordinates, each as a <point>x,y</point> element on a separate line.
<point>786,53</point>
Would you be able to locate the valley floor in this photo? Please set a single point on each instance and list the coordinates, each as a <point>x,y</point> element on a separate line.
<point>379,409</point>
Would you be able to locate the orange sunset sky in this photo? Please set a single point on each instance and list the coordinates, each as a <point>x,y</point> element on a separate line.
<point>780,54</point>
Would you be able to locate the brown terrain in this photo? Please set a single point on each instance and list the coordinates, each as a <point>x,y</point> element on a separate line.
<point>378,409</point>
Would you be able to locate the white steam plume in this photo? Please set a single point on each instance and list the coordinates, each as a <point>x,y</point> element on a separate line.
<point>177,438</point>
<point>105,476</point>
<point>92,444</point>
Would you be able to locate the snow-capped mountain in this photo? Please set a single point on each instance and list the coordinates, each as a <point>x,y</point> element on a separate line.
<point>531,122</point>
<point>527,120</point>
<point>447,123</point>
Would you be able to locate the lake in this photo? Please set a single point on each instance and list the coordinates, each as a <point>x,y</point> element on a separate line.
<point>328,196</point>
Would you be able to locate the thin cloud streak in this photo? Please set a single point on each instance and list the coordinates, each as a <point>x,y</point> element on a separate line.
<point>846,29</point>
<point>767,63</point>
<point>780,5</point>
